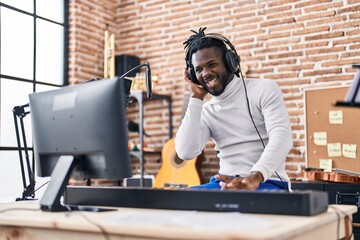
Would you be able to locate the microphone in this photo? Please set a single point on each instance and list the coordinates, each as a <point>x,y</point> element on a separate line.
<point>134,127</point>
<point>148,81</point>
<point>148,77</point>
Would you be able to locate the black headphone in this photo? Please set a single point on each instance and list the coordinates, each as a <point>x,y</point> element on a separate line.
<point>231,58</point>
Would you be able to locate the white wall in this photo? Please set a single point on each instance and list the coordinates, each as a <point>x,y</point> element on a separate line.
<point>11,185</point>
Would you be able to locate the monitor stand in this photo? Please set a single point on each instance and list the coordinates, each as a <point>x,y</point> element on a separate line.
<point>60,176</point>
<point>59,179</point>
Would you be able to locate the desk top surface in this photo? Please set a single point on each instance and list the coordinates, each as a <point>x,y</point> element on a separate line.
<point>170,224</point>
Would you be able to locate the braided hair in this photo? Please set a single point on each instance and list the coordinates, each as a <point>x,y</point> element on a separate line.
<point>199,41</point>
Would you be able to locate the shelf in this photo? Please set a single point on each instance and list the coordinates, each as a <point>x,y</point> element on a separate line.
<point>138,153</point>
<point>141,97</point>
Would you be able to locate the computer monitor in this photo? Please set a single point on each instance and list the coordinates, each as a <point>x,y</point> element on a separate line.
<point>80,131</point>
<point>352,97</point>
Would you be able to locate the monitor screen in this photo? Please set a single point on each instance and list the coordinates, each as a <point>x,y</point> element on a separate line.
<point>80,131</point>
<point>353,94</point>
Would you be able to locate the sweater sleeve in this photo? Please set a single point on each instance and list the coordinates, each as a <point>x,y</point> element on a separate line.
<point>277,123</point>
<point>193,133</point>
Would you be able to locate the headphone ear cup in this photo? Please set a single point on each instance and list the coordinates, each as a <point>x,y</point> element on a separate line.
<point>192,75</point>
<point>232,61</point>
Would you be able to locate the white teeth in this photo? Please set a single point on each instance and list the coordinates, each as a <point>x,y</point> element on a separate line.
<point>211,80</point>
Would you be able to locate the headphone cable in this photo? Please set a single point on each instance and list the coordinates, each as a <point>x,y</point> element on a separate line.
<point>253,122</point>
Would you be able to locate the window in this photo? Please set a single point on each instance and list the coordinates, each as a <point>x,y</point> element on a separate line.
<point>33,50</point>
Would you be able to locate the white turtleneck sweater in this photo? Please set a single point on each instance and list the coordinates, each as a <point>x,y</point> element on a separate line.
<point>226,120</point>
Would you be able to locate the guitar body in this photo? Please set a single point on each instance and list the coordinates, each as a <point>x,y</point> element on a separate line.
<point>176,173</point>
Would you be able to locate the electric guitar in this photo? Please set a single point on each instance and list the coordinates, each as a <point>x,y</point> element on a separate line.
<point>175,172</point>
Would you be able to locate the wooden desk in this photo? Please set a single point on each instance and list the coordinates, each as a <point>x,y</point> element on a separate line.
<point>24,220</point>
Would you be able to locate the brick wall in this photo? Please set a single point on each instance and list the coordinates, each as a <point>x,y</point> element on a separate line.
<point>87,22</point>
<point>298,44</point>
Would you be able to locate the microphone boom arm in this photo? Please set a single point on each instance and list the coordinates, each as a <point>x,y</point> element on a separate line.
<point>148,77</point>
<point>19,111</point>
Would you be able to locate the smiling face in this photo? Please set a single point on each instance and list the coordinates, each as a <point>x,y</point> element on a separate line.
<point>210,70</point>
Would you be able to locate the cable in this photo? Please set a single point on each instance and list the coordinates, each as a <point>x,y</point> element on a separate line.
<point>20,199</point>
<point>253,122</point>
<point>40,187</point>
<point>99,226</point>
<point>76,209</point>
<point>105,234</point>
<point>20,209</point>
<point>338,211</point>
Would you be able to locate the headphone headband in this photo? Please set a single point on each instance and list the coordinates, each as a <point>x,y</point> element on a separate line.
<point>210,35</point>
<point>231,58</point>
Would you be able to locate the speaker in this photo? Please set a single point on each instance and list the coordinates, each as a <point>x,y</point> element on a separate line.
<point>134,181</point>
<point>124,63</point>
